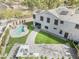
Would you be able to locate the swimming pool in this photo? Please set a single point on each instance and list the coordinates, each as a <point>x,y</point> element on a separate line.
<point>19,31</point>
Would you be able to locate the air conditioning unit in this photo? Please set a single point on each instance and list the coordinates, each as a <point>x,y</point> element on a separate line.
<point>77,11</point>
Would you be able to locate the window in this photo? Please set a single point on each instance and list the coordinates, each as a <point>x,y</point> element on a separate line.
<point>41,18</point>
<point>77,26</point>
<point>34,16</point>
<point>61,22</point>
<point>48,20</point>
<point>56,22</point>
<point>60,31</point>
<point>46,27</point>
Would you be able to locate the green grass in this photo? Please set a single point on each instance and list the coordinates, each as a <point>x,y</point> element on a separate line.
<point>30,26</point>
<point>70,43</point>
<point>4,39</point>
<point>5,36</point>
<point>46,38</point>
<point>12,41</point>
<point>3,57</point>
<point>31,57</point>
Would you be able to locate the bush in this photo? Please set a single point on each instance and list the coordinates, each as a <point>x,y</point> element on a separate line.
<point>69,57</point>
<point>63,57</point>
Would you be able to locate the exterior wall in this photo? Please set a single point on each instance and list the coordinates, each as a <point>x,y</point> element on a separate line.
<point>65,27</point>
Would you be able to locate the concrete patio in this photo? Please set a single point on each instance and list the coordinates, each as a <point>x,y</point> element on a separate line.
<point>51,51</point>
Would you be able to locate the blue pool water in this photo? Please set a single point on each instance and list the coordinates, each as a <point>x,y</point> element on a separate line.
<point>19,29</point>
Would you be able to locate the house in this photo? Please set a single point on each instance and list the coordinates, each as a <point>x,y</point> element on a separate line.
<point>61,21</point>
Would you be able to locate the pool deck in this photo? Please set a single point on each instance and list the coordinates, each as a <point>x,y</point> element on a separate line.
<point>15,35</point>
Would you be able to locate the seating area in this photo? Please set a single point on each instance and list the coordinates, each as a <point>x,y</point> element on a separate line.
<point>44,51</point>
<point>14,23</point>
<point>19,31</point>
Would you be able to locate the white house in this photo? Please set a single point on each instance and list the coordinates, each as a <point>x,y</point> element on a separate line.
<point>61,21</point>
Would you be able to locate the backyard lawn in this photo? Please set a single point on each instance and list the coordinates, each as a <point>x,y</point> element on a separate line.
<point>46,38</point>
<point>12,41</point>
<point>20,40</point>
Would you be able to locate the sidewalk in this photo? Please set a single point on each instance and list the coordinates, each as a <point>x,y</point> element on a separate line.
<point>3,51</point>
<point>12,51</point>
<point>31,38</point>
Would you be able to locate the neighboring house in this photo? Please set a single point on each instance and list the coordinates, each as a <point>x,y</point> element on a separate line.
<point>61,21</point>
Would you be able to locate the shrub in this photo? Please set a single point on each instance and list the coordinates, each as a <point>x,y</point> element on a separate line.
<point>63,57</point>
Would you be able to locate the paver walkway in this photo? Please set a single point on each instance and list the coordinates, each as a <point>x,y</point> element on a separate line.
<point>12,51</point>
<point>31,37</point>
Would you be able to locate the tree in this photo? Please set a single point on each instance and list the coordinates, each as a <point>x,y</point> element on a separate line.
<point>49,4</point>
<point>41,4</point>
<point>70,3</point>
<point>2,0</point>
<point>77,3</point>
<point>24,2</point>
<point>28,3</point>
<point>62,57</point>
<point>69,57</point>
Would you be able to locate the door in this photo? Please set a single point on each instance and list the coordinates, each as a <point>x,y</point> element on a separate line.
<point>66,35</point>
<point>38,25</point>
